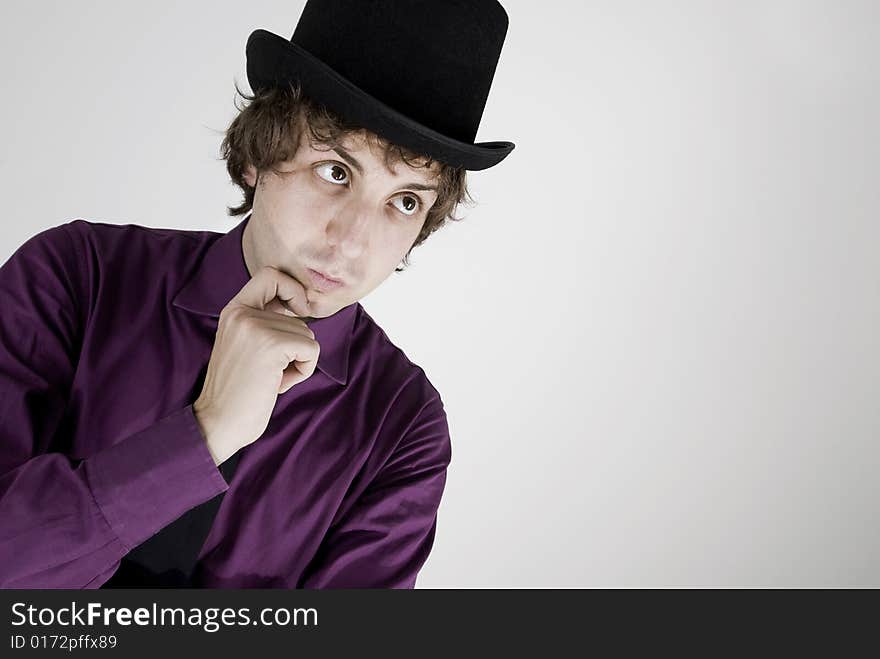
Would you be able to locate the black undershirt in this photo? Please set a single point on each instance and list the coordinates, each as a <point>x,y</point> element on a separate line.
<point>168,558</point>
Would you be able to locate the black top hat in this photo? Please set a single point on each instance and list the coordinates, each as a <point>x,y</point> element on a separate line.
<point>416,72</point>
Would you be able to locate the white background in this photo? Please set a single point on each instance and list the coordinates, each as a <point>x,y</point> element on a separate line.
<point>656,335</point>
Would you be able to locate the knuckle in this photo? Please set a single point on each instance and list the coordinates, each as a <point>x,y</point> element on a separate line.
<point>229,312</point>
<point>248,322</point>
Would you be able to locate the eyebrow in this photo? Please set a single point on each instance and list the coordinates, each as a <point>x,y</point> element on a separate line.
<point>351,160</point>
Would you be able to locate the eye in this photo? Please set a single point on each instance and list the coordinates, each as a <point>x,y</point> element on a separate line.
<point>411,204</point>
<point>332,172</point>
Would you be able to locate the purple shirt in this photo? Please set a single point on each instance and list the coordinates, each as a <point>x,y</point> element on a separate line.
<point>105,336</point>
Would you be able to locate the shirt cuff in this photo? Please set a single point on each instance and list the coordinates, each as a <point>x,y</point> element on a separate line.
<point>154,476</point>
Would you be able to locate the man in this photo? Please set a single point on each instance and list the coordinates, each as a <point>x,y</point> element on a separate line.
<point>190,409</point>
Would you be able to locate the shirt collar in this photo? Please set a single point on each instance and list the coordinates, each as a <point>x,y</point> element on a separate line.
<point>221,275</point>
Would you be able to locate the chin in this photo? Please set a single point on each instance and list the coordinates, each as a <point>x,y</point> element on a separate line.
<point>322,305</point>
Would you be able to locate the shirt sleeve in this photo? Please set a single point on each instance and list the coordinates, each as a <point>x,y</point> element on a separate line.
<point>67,523</point>
<point>384,540</point>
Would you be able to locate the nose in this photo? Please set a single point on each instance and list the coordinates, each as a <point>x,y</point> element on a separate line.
<point>349,228</point>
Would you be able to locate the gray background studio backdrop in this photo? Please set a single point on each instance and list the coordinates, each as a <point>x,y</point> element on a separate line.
<point>656,334</point>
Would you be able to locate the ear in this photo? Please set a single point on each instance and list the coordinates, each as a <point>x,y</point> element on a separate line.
<point>250,176</point>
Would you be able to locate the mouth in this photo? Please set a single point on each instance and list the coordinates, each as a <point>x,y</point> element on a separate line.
<point>322,282</point>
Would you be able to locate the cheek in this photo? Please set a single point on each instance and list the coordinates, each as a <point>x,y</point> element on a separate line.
<point>303,207</point>
<point>391,251</point>
<point>408,236</point>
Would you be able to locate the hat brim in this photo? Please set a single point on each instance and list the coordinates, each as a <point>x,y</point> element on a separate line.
<point>271,59</point>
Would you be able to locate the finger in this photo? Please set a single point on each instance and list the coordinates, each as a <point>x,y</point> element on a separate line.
<point>277,306</point>
<point>301,356</point>
<point>270,283</point>
<point>302,361</point>
<point>295,373</point>
<point>282,323</point>
<point>300,352</point>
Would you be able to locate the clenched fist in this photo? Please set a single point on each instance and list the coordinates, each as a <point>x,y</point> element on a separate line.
<point>262,348</point>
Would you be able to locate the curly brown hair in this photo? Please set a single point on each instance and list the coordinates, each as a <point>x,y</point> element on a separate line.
<point>267,131</point>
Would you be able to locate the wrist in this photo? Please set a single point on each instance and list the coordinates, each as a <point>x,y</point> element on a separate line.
<point>206,427</point>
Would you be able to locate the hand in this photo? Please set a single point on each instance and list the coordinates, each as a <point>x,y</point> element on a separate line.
<point>262,348</point>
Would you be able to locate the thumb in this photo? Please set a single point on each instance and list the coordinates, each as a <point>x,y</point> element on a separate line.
<point>269,283</point>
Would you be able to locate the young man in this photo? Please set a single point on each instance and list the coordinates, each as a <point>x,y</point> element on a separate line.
<point>191,409</point>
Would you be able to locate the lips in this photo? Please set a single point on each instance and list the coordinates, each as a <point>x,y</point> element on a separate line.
<point>322,282</point>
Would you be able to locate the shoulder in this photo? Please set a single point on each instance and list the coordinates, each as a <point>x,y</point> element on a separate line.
<point>388,360</point>
<point>415,409</point>
<point>125,256</point>
<point>111,241</point>
<point>101,263</point>
<point>386,367</point>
